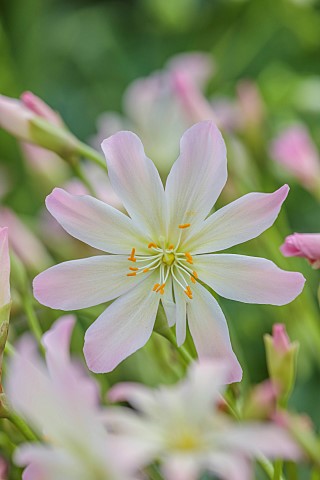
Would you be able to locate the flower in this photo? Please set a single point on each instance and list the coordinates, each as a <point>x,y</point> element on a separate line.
<point>154,110</point>
<point>294,149</point>
<point>306,245</point>
<point>23,242</point>
<point>60,402</point>
<point>162,249</point>
<point>182,426</point>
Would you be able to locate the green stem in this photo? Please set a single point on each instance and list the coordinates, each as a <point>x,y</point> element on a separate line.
<point>22,427</point>
<point>292,471</point>
<point>315,474</point>
<point>267,467</point>
<point>278,464</point>
<point>33,319</point>
<point>182,351</point>
<point>91,154</point>
<point>77,170</point>
<point>9,349</point>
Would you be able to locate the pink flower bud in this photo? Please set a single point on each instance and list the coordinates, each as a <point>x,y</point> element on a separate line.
<point>295,150</point>
<point>281,340</point>
<point>250,103</point>
<point>306,245</point>
<point>39,107</point>
<point>15,117</point>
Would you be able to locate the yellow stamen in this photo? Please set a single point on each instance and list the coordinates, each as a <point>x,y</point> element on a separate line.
<point>134,269</point>
<point>194,273</point>
<point>133,274</point>
<point>189,257</point>
<point>160,289</point>
<point>151,244</point>
<point>155,288</point>
<point>171,247</point>
<point>185,225</point>
<point>132,257</point>
<point>193,280</point>
<point>146,270</point>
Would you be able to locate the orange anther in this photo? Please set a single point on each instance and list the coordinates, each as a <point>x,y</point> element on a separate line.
<point>189,257</point>
<point>185,225</point>
<point>134,269</point>
<point>160,289</point>
<point>188,292</point>
<point>133,274</point>
<point>171,247</point>
<point>151,244</point>
<point>146,270</point>
<point>192,279</point>
<point>132,257</point>
<point>194,273</point>
<point>155,288</point>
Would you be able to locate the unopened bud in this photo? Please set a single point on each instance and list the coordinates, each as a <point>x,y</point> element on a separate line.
<point>281,360</point>
<point>261,403</point>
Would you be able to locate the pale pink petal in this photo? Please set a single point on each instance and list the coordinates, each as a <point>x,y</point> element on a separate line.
<point>136,181</point>
<point>181,467</point>
<point>197,177</point>
<point>57,340</point>
<point>181,314</point>
<point>4,268</point>
<point>209,331</point>
<point>83,283</point>
<point>197,66</point>
<point>237,222</point>
<point>94,222</point>
<point>123,328</point>
<point>139,396</point>
<point>248,279</point>
<point>15,117</point>
<point>24,242</point>
<point>257,438</point>
<point>40,108</point>
<point>229,466</point>
<point>306,245</point>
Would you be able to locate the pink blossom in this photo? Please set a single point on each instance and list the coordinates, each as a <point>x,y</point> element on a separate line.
<point>306,245</point>
<point>153,108</point>
<point>3,469</point>
<point>182,426</point>
<point>23,242</point>
<point>294,149</point>
<point>60,402</point>
<point>160,250</point>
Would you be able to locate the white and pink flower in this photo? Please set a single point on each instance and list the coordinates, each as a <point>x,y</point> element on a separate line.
<point>305,245</point>
<point>61,403</point>
<point>161,250</point>
<point>182,426</point>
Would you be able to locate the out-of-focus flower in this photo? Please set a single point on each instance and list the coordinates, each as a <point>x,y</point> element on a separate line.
<point>281,360</point>
<point>305,245</point>
<point>60,402</point>
<point>250,104</point>
<point>182,426</point>
<point>153,108</point>
<point>5,298</point>
<point>295,150</point>
<point>162,249</point>
<point>23,242</point>
<point>261,402</point>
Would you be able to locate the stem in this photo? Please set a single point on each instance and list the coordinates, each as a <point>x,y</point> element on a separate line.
<point>315,474</point>
<point>267,467</point>
<point>33,319</point>
<point>9,349</point>
<point>79,173</point>
<point>292,471</point>
<point>278,464</point>
<point>182,351</point>
<point>23,428</point>
<point>91,154</point>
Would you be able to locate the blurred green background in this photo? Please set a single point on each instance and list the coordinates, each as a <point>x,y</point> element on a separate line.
<point>79,56</point>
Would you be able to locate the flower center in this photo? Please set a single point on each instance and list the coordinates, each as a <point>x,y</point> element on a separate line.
<point>167,259</point>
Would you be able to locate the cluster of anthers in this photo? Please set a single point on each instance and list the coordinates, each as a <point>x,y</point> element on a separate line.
<point>169,261</point>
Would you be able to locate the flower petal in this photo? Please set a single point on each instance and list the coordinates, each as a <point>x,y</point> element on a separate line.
<point>84,283</point>
<point>197,177</point>
<point>168,303</point>
<point>181,314</point>
<point>123,328</point>
<point>136,181</point>
<point>94,222</point>
<point>237,222</point>
<point>209,331</point>
<point>249,279</point>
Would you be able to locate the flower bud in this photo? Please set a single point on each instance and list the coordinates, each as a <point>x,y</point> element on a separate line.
<point>261,403</point>
<point>281,360</point>
<point>31,120</point>
<point>295,150</point>
<point>306,245</point>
